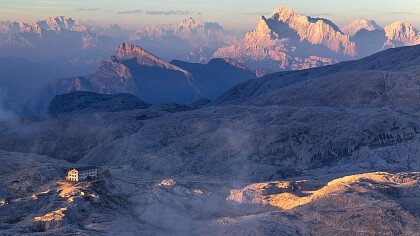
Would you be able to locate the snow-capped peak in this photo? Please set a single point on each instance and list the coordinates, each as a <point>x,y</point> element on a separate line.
<point>360,24</point>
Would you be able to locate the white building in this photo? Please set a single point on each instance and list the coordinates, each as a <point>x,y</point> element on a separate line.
<point>82,174</point>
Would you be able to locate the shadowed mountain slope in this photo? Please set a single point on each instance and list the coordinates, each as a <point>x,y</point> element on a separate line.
<point>136,71</point>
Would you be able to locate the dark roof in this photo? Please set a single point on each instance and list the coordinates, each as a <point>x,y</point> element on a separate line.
<point>84,168</point>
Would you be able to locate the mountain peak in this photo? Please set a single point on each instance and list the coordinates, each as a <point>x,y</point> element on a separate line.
<point>362,23</point>
<point>292,17</point>
<point>284,10</point>
<point>401,33</point>
<point>262,28</point>
<point>400,25</point>
<point>63,19</point>
<point>127,51</point>
<point>314,30</point>
<point>53,24</point>
<point>144,58</point>
<point>282,41</point>
<point>60,22</point>
<point>191,23</point>
<point>402,28</point>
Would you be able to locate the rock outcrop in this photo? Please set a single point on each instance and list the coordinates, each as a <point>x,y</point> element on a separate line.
<point>82,101</point>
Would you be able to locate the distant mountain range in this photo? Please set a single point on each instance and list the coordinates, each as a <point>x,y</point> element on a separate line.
<point>61,47</point>
<point>289,40</point>
<point>192,39</point>
<point>59,39</point>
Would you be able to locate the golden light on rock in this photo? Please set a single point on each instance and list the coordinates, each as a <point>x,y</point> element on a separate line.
<point>289,195</point>
<point>57,215</point>
<point>167,182</point>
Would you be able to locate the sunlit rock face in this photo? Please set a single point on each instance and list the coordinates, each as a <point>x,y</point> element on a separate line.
<point>356,196</point>
<point>289,40</point>
<point>401,33</point>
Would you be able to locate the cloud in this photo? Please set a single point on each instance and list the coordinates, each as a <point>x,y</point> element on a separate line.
<point>86,9</point>
<point>256,13</point>
<point>44,2</point>
<point>321,14</point>
<point>170,12</point>
<point>158,12</point>
<point>397,13</point>
<point>138,11</point>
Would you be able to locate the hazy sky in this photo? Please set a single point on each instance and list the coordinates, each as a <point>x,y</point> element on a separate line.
<point>239,14</point>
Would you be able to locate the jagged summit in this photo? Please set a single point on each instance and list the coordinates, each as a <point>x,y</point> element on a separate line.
<point>56,24</point>
<point>283,10</point>
<point>191,23</point>
<point>127,52</point>
<point>362,23</point>
<point>60,22</point>
<point>263,29</point>
<point>286,14</point>
<point>402,28</point>
<point>192,39</point>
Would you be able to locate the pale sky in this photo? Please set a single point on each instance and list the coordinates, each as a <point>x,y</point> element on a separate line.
<point>232,14</point>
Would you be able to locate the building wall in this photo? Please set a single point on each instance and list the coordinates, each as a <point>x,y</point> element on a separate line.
<point>74,175</point>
